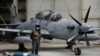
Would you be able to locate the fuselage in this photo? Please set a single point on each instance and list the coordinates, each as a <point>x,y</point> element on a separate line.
<point>57,29</point>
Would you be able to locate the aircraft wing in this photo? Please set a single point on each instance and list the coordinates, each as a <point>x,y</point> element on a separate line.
<point>43,31</point>
<point>94,29</point>
<point>8,24</point>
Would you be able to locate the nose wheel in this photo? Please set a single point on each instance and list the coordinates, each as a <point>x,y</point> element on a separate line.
<point>77,50</point>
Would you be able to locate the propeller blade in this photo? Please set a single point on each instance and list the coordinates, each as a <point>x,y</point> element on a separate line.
<point>89,32</point>
<point>87,14</point>
<point>75,20</point>
<point>87,41</point>
<point>70,39</point>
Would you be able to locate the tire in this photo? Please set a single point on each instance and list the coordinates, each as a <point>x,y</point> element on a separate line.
<point>77,51</point>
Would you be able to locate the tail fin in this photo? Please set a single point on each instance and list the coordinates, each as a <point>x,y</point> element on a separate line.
<point>14,18</point>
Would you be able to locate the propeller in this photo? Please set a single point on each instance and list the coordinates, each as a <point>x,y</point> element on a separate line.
<point>85,21</point>
<point>75,20</point>
<point>80,25</point>
<point>89,32</point>
<point>86,17</point>
<point>87,41</point>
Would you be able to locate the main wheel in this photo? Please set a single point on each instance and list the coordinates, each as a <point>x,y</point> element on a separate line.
<point>77,51</point>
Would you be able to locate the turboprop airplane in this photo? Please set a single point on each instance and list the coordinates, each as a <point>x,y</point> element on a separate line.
<point>52,25</point>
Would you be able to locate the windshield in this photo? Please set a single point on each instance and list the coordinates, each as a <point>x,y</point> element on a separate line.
<point>48,15</point>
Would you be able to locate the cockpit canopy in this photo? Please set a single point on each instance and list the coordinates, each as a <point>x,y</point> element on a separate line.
<point>55,17</point>
<point>48,15</point>
<point>44,15</point>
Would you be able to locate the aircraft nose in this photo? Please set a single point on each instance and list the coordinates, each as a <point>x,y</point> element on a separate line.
<point>85,27</point>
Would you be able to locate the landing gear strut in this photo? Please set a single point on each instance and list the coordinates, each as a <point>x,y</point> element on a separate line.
<point>74,46</point>
<point>22,48</point>
<point>70,44</point>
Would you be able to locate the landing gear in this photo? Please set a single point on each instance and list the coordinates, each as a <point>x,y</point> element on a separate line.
<point>69,45</point>
<point>22,48</point>
<point>77,50</point>
<point>73,45</point>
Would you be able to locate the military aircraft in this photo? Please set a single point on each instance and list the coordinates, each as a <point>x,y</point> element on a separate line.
<point>52,25</point>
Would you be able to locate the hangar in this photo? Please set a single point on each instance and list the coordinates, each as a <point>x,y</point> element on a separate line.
<point>27,9</point>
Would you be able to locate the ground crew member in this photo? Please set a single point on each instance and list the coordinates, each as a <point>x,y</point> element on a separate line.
<point>35,36</point>
<point>35,42</point>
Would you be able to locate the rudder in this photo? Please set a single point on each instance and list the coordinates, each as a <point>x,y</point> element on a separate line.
<point>14,18</point>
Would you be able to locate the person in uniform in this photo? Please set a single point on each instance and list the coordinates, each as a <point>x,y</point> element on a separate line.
<point>35,42</point>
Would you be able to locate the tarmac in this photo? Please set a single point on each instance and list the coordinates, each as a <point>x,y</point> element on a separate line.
<point>54,48</point>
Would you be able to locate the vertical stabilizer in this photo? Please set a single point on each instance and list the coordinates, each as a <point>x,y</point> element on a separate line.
<point>14,18</point>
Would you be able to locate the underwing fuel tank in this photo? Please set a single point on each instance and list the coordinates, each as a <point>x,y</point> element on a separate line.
<point>90,37</point>
<point>22,39</point>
